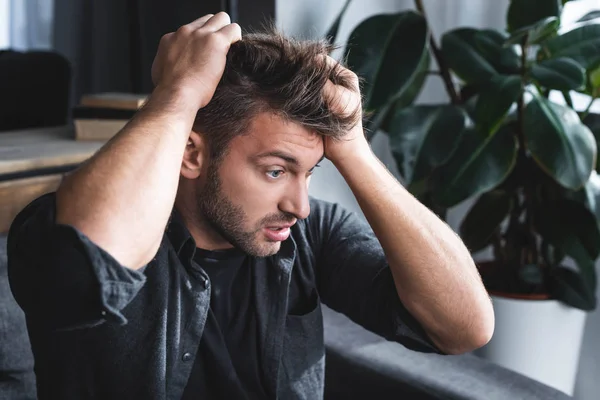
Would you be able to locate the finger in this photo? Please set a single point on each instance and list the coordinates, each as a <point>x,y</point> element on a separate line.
<point>165,40</point>
<point>332,62</point>
<point>339,99</point>
<point>233,32</point>
<point>330,92</point>
<point>200,21</point>
<point>217,22</point>
<point>339,68</point>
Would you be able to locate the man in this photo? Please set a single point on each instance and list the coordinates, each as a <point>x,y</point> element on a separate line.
<point>186,260</point>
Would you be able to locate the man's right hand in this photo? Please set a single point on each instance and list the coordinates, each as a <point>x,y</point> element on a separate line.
<point>193,58</point>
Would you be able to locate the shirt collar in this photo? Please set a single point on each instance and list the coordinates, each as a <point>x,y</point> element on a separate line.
<point>184,243</point>
<point>179,235</point>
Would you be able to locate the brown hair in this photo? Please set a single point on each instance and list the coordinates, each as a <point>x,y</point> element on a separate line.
<point>270,72</point>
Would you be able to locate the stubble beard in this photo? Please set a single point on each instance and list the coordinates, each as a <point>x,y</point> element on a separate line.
<point>229,219</point>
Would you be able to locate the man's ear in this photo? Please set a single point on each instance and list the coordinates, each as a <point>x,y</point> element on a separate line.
<point>195,156</point>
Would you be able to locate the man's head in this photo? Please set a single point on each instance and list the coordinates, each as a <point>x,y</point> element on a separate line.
<point>256,143</point>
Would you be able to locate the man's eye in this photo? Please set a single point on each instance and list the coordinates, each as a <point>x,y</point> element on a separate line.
<point>275,173</point>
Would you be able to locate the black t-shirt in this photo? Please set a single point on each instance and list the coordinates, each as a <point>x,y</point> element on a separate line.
<point>228,364</point>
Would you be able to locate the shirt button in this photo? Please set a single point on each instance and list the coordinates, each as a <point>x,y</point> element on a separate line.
<point>186,357</point>
<point>206,283</point>
<point>103,313</point>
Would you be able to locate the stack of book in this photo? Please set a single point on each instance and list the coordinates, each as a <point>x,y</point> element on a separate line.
<point>101,116</point>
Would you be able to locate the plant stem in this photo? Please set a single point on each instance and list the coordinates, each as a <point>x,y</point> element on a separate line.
<point>587,109</point>
<point>521,104</point>
<point>499,252</point>
<point>437,54</point>
<point>568,99</point>
<point>531,254</point>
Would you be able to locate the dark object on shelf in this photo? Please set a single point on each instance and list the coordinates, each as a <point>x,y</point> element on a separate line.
<point>99,123</point>
<point>34,89</point>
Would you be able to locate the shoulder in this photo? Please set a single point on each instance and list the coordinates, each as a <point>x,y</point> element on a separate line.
<point>37,216</point>
<point>323,215</point>
<point>325,212</point>
<point>326,219</point>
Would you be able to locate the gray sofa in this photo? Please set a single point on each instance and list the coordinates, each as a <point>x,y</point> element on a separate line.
<point>360,364</point>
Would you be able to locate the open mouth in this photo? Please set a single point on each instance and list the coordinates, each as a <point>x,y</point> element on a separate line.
<point>277,234</point>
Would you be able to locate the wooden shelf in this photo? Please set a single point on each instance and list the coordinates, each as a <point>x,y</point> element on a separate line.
<point>17,193</point>
<point>37,149</point>
<point>33,162</point>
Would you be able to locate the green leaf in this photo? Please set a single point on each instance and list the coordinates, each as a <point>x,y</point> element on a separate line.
<point>581,44</point>
<point>590,16</point>
<point>559,143</point>
<point>589,195</point>
<point>331,34</point>
<point>569,287</point>
<point>535,33</point>
<point>478,165</point>
<point>595,77</point>
<point>522,13</point>
<point>552,256</point>
<point>531,274</point>
<point>378,119</point>
<point>495,100</point>
<point>592,194</point>
<point>411,89</point>
<point>571,227</point>
<point>592,87</point>
<point>559,73</point>
<point>391,53</point>
<point>592,121</point>
<point>463,57</point>
<point>424,137</point>
<point>484,217</point>
<point>490,44</point>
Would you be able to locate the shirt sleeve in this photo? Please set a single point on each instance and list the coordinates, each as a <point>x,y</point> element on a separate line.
<point>59,277</point>
<point>355,278</point>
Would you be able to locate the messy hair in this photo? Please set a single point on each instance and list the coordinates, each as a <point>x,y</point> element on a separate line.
<point>268,72</point>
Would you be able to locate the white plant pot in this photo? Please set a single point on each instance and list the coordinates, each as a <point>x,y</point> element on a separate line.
<point>540,339</point>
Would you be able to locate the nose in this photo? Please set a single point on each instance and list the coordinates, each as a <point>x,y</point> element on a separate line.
<point>296,201</point>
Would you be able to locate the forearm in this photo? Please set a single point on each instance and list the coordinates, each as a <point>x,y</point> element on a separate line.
<point>123,196</point>
<point>434,273</point>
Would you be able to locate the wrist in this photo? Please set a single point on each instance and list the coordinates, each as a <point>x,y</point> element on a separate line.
<point>175,99</point>
<point>353,157</point>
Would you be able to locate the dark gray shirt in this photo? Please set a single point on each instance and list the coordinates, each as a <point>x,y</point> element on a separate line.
<point>99,330</point>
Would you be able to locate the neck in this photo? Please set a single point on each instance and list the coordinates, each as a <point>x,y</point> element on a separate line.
<point>203,233</point>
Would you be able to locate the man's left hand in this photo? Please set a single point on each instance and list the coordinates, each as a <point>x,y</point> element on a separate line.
<point>345,101</point>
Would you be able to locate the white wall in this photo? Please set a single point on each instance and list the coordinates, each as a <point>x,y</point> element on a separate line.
<point>26,24</point>
<point>4,23</point>
<point>312,18</point>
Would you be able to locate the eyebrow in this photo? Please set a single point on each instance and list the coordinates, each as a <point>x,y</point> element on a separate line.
<point>285,157</point>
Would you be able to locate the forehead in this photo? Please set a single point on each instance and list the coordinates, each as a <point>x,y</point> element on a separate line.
<point>270,133</point>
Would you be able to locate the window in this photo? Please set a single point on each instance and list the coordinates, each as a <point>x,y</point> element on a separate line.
<point>573,11</point>
<point>26,24</point>
<point>4,23</point>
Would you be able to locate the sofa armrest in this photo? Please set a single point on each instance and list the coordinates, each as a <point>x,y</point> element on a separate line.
<point>17,380</point>
<point>362,365</point>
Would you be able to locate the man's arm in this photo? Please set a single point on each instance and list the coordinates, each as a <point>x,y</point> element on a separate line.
<point>434,274</point>
<point>122,197</point>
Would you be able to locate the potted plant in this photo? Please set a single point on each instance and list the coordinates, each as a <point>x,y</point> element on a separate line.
<point>526,161</point>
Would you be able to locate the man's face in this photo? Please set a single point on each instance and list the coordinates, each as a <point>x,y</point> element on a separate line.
<point>260,188</point>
